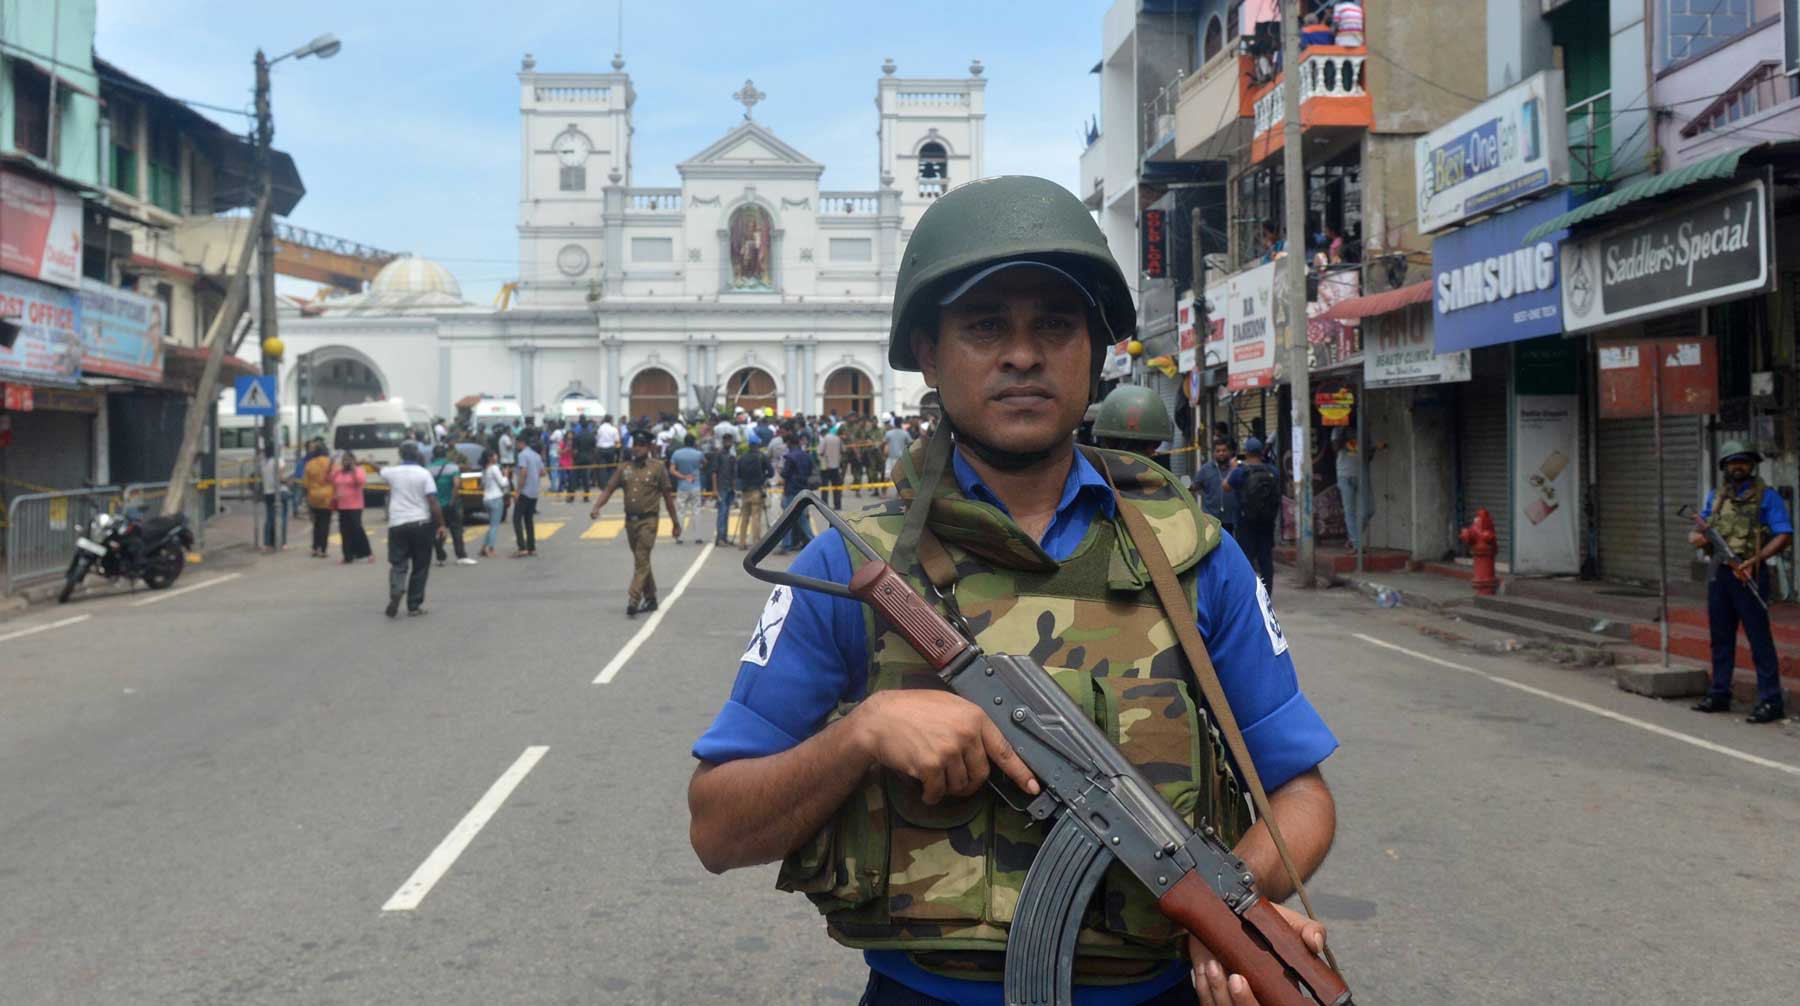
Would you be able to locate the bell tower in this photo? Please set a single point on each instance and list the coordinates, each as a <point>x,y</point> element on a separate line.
<point>574,138</point>
<point>933,135</point>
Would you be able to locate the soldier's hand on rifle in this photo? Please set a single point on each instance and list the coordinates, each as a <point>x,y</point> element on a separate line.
<point>1745,570</point>
<point>1697,539</point>
<point>943,740</point>
<point>1216,988</point>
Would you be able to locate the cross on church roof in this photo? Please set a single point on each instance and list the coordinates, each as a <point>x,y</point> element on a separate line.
<point>748,96</point>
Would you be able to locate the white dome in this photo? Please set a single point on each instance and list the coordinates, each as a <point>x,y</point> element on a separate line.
<point>410,276</point>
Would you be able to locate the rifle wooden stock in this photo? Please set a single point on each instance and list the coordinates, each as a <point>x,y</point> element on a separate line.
<point>1198,909</point>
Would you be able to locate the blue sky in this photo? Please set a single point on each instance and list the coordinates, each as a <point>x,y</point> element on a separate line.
<point>408,138</point>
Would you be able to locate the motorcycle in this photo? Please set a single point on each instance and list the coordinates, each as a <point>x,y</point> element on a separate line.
<point>154,550</point>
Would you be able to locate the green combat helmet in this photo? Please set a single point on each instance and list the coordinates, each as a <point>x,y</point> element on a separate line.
<point>1006,219</point>
<point>1133,412</point>
<point>1736,450</point>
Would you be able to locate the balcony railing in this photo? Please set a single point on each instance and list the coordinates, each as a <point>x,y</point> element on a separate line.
<point>1159,114</point>
<point>1590,139</point>
<point>1333,92</point>
<point>849,203</point>
<point>653,200</point>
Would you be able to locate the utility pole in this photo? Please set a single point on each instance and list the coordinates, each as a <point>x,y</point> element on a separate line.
<point>1202,324</point>
<point>1293,161</point>
<point>265,248</point>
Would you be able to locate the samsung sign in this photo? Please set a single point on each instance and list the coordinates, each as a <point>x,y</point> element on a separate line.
<point>1508,148</point>
<point>1489,287</point>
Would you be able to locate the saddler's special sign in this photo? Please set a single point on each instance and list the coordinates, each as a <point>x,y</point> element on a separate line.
<point>1703,252</point>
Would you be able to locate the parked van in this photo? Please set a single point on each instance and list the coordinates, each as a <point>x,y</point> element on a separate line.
<point>575,408</point>
<point>235,439</point>
<point>491,412</point>
<point>374,431</point>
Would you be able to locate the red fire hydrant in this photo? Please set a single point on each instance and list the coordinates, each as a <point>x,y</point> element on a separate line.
<point>1479,536</point>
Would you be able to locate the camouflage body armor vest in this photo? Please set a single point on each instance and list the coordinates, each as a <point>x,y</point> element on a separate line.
<point>891,872</point>
<point>1739,519</point>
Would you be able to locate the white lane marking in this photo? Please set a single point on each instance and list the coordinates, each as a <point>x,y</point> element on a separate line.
<point>1661,731</point>
<point>439,862</point>
<point>618,662</point>
<point>202,585</point>
<point>47,626</point>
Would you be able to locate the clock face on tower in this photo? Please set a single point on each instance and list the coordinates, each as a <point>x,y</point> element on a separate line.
<point>572,147</point>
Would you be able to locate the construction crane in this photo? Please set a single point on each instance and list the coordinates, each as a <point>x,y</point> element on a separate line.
<point>503,299</point>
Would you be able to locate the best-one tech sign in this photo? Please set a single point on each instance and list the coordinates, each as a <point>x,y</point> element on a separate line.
<point>1490,287</point>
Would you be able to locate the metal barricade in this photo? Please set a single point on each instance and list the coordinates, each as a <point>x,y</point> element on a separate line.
<point>41,529</point>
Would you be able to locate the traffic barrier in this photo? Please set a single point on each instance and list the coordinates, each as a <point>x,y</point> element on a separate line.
<point>148,497</point>
<point>41,529</point>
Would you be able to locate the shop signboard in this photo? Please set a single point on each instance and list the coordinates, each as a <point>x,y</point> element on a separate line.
<point>121,333</point>
<point>1701,252</point>
<point>1156,263</point>
<point>1118,361</point>
<point>1507,148</point>
<point>1186,335</point>
<point>40,230</point>
<point>1398,351</point>
<point>1214,353</point>
<point>1489,287</point>
<point>1250,328</point>
<point>48,347</point>
<point>1334,406</point>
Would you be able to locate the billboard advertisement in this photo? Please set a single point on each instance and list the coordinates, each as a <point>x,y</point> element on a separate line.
<point>1488,287</point>
<point>48,349</point>
<point>1250,328</point>
<point>121,333</point>
<point>1507,148</point>
<point>40,230</point>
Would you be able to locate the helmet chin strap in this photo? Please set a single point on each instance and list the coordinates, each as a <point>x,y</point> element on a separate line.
<point>998,457</point>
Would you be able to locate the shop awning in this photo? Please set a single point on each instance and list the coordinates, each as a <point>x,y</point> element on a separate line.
<point>1712,169</point>
<point>1384,302</point>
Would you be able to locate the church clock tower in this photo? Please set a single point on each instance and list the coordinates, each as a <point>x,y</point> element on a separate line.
<point>933,135</point>
<point>574,140</point>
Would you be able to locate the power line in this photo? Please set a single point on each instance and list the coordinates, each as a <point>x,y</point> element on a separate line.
<point>123,84</point>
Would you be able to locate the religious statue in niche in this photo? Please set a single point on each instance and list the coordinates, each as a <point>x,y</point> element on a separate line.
<point>752,245</point>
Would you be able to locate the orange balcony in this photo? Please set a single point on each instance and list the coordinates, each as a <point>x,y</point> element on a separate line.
<point>1334,97</point>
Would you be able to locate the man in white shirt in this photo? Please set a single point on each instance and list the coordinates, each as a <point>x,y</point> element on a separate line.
<point>415,520</point>
<point>506,448</point>
<point>606,447</point>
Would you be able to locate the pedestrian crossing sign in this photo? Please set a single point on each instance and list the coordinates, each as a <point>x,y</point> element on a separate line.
<point>256,396</point>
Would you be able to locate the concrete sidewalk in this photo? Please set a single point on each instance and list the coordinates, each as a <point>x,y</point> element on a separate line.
<point>231,530</point>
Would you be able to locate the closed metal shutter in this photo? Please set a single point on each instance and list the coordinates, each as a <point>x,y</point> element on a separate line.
<point>1627,495</point>
<point>50,450</point>
<point>1169,390</point>
<point>1483,427</point>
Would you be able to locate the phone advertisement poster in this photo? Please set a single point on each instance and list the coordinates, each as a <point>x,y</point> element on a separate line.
<point>1546,485</point>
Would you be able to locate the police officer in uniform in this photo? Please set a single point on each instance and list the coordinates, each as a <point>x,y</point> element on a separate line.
<point>643,484</point>
<point>1132,419</point>
<point>1754,522</point>
<point>840,754</point>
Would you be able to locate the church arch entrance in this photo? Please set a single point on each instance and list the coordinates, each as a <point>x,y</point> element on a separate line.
<point>654,391</point>
<point>340,376</point>
<point>849,390</point>
<point>750,388</point>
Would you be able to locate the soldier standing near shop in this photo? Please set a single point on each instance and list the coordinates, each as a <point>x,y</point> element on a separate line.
<point>1754,522</point>
<point>841,753</point>
<point>644,484</point>
<point>1132,419</point>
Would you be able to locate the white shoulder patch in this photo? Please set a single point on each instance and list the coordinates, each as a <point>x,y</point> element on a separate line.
<point>769,625</point>
<point>1277,639</point>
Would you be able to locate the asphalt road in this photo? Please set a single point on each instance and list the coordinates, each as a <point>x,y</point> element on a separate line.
<point>210,798</point>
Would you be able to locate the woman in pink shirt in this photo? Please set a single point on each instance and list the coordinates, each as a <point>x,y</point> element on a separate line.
<point>347,481</point>
<point>566,461</point>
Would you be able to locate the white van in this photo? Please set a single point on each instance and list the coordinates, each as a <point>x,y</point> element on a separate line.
<point>491,412</point>
<point>575,408</point>
<point>235,439</point>
<point>374,431</point>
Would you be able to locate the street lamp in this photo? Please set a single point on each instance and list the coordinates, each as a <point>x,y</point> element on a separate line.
<point>325,46</point>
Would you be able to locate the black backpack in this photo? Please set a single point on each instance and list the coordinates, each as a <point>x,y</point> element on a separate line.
<point>1261,502</point>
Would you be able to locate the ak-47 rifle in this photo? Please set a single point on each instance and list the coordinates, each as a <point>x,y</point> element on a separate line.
<point>1722,552</point>
<point>1096,806</point>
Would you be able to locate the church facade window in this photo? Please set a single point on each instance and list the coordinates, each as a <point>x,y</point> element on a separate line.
<point>934,170</point>
<point>574,179</point>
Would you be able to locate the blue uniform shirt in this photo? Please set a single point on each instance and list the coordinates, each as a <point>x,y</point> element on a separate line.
<point>809,652</point>
<point>1771,511</point>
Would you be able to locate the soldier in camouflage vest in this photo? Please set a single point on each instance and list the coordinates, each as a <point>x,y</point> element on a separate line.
<point>843,756</point>
<point>1754,522</point>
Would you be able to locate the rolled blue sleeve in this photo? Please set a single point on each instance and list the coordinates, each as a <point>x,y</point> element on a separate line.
<point>1775,513</point>
<point>1284,734</point>
<point>814,654</point>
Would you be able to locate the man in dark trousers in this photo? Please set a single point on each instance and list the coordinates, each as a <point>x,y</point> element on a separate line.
<point>721,478</point>
<point>415,520</point>
<point>1754,522</point>
<point>643,483</point>
<point>1256,487</point>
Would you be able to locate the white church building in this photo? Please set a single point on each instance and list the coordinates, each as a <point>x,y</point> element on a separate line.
<point>747,283</point>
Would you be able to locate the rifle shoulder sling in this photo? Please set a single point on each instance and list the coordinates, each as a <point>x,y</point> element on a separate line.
<point>1175,606</point>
